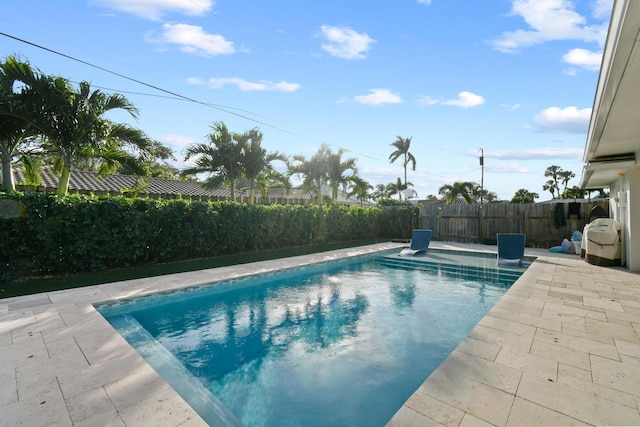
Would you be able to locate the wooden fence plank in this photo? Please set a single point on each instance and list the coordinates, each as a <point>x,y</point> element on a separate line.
<point>545,224</point>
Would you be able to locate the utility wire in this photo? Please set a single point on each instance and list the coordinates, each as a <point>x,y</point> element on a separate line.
<point>218,106</point>
<point>177,95</point>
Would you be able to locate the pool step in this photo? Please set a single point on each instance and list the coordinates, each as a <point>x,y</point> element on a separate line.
<point>499,277</point>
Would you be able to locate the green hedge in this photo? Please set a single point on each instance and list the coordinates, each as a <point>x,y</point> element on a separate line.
<point>79,233</point>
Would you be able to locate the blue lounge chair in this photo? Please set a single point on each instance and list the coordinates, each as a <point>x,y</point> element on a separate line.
<point>510,249</point>
<point>419,243</point>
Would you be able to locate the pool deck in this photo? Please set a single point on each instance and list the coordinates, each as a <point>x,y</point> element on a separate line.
<point>561,347</point>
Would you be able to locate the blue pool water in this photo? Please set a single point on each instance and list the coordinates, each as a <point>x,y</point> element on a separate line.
<point>334,344</point>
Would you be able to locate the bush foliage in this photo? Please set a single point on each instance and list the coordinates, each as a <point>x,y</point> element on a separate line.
<point>57,235</point>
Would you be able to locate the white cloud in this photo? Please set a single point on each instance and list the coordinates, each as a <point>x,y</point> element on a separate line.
<point>466,100</point>
<point>192,39</point>
<point>569,119</point>
<point>179,144</point>
<point>177,140</point>
<point>602,9</point>
<point>345,43</point>
<point>156,9</point>
<point>505,167</point>
<point>511,107</point>
<point>244,85</point>
<point>196,81</point>
<point>549,20</point>
<point>583,58</point>
<point>427,2</point>
<point>378,97</point>
<point>536,153</point>
<point>426,101</point>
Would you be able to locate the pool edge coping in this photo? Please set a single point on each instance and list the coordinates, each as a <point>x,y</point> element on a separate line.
<point>59,350</point>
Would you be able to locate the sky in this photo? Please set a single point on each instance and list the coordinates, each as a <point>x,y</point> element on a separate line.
<point>513,80</point>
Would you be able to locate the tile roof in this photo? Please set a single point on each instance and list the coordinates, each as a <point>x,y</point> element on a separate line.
<point>89,182</point>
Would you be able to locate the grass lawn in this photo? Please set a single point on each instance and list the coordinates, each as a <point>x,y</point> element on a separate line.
<point>48,284</point>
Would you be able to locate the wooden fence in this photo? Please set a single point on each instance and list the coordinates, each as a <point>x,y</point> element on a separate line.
<point>545,224</point>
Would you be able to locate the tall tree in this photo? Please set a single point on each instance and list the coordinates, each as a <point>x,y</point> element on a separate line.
<point>553,172</point>
<point>380,192</point>
<point>314,171</point>
<point>73,125</point>
<point>16,133</point>
<point>337,172</point>
<point>402,146</point>
<point>221,159</point>
<point>158,163</point>
<point>397,187</point>
<point>273,179</point>
<point>551,186</point>
<point>574,192</point>
<point>565,177</point>
<point>256,160</point>
<point>478,194</point>
<point>360,188</point>
<point>457,191</point>
<point>394,188</point>
<point>524,196</point>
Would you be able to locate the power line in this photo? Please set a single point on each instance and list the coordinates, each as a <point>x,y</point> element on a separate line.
<point>177,96</point>
<point>217,106</point>
<point>174,94</point>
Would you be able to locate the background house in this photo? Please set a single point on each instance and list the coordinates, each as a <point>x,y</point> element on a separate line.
<point>87,182</point>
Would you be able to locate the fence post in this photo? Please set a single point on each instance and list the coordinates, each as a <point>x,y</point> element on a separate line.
<point>439,223</point>
<point>481,225</point>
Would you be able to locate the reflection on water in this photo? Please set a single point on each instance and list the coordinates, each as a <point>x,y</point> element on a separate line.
<point>403,292</point>
<point>222,337</point>
<point>343,345</point>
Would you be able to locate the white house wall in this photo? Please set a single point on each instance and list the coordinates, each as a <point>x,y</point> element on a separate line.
<point>624,207</point>
<point>632,219</point>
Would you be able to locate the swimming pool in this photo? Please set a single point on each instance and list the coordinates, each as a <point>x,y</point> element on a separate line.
<point>339,343</point>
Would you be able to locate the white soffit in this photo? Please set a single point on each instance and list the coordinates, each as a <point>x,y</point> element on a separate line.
<point>613,142</point>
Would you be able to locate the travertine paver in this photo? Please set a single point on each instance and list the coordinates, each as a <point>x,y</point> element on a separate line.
<point>62,364</point>
<point>562,347</point>
<point>469,395</point>
<point>569,331</point>
<point>524,412</point>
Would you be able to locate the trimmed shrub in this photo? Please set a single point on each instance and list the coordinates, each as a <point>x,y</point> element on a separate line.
<point>80,233</point>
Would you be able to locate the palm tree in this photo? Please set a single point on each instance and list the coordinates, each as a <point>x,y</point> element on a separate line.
<point>397,188</point>
<point>402,146</point>
<point>551,186</point>
<point>553,172</point>
<point>524,196</point>
<point>336,171</point>
<point>314,171</point>
<point>221,158</point>
<point>158,166</point>
<point>456,191</point>
<point>478,193</point>
<point>360,188</point>
<point>565,177</point>
<point>73,126</point>
<point>574,192</point>
<point>380,192</point>
<point>256,161</point>
<point>16,133</point>
<point>272,179</point>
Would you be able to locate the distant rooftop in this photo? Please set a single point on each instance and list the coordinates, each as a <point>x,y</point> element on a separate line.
<point>86,182</point>
<point>116,184</point>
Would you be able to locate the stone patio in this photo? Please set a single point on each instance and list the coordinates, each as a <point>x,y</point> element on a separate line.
<point>562,347</point>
